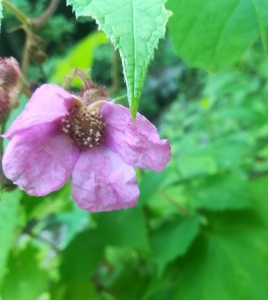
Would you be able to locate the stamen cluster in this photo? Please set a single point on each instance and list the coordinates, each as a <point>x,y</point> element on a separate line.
<point>86,128</point>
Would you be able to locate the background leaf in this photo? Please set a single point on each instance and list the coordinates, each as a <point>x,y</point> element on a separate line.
<point>227,261</point>
<point>80,57</point>
<point>1,14</point>
<point>25,280</point>
<point>173,239</point>
<point>214,35</point>
<point>134,28</point>
<point>9,203</point>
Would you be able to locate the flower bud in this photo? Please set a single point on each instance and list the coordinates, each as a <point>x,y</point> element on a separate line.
<point>9,73</point>
<point>92,94</point>
<point>4,105</point>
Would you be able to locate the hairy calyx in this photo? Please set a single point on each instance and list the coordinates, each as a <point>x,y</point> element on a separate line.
<point>86,127</point>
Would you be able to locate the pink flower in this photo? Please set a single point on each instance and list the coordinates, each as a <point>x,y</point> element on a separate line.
<point>56,138</point>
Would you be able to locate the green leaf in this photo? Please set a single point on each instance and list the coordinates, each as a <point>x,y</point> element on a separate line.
<point>134,27</point>
<point>124,228</point>
<point>215,34</point>
<point>82,256</point>
<point>25,280</point>
<point>9,203</point>
<point>223,191</point>
<point>1,14</point>
<point>229,261</point>
<point>173,239</point>
<point>78,291</point>
<point>80,56</point>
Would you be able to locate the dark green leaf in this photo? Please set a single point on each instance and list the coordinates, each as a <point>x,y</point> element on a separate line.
<point>173,239</point>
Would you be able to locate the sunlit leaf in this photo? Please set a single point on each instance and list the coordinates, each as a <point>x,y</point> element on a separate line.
<point>25,279</point>
<point>215,34</point>
<point>134,27</point>
<point>80,57</point>
<point>9,203</point>
<point>78,291</point>
<point>223,191</point>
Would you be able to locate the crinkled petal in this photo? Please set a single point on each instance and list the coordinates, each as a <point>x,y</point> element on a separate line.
<point>138,144</point>
<point>48,103</point>
<point>101,181</point>
<point>40,159</point>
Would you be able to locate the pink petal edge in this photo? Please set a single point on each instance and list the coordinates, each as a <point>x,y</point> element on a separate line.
<point>103,182</point>
<point>47,104</point>
<point>137,144</point>
<point>40,159</point>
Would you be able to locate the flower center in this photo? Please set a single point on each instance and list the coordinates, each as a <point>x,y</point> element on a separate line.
<point>86,128</point>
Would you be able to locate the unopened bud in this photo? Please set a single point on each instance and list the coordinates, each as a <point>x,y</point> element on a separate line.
<point>92,94</point>
<point>4,105</point>
<point>9,73</point>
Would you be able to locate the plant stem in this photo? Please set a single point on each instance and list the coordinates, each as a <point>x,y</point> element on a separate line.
<point>17,13</point>
<point>181,209</point>
<point>46,15</point>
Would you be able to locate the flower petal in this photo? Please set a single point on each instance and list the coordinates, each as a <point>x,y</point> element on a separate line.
<point>101,181</point>
<point>40,159</point>
<point>48,103</point>
<point>138,144</point>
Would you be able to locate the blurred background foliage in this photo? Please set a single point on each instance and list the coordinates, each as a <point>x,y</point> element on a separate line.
<point>200,228</point>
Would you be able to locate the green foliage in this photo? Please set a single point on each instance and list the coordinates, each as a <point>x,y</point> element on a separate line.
<point>134,28</point>
<point>9,203</point>
<point>1,14</point>
<point>214,35</point>
<point>25,280</point>
<point>176,235</point>
<point>227,261</point>
<point>199,230</point>
<point>80,57</point>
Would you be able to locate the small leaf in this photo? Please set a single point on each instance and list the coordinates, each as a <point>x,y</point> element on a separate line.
<point>9,203</point>
<point>215,34</point>
<point>134,27</point>
<point>173,239</point>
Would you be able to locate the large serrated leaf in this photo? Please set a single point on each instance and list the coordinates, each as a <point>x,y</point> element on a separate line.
<point>134,27</point>
<point>228,261</point>
<point>8,219</point>
<point>215,34</point>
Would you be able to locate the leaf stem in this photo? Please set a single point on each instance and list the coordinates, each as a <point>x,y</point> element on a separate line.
<point>47,14</point>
